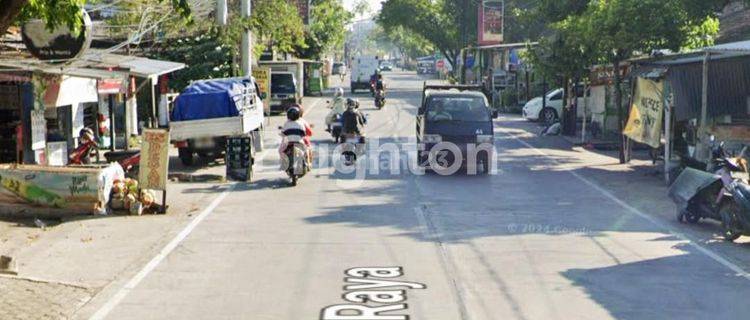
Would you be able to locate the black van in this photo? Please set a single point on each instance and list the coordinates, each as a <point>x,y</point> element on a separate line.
<point>455,123</point>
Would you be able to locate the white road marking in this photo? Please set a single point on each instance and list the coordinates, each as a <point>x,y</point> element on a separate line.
<point>711,254</point>
<point>113,301</point>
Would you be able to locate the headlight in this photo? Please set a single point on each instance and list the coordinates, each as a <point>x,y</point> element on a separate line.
<point>484,138</point>
<point>432,138</point>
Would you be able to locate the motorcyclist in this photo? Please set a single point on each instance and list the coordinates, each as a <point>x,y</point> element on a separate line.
<point>380,87</point>
<point>296,130</point>
<point>337,106</point>
<point>373,81</point>
<point>353,120</point>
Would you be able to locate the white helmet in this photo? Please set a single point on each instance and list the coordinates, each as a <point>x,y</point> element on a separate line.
<point>339,92</point>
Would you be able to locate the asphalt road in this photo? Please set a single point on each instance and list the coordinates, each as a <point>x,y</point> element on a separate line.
<point>532,241</point>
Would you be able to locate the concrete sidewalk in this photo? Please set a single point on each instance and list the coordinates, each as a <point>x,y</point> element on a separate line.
<point>639,183</point>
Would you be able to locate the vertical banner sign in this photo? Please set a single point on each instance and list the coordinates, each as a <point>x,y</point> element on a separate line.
<point>154,159</point>
<point>645,122</point>
<point>491,18</point>
<point>38,130</point>
<point>262,77</point>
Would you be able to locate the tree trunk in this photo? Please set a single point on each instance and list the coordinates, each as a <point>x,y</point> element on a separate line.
<point>9,12</point>
<point>618,104</point>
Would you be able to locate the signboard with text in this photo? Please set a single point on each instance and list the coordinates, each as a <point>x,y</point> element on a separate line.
<point>491,19</point>
<point>154,163</point>
<point>262,77</point>
<point>59,44</point>
<point>646,113</point>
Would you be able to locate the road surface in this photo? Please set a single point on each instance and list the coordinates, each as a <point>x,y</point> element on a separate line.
<point>532,241</point>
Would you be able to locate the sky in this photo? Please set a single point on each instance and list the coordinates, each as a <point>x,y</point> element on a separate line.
<point>374,6</point>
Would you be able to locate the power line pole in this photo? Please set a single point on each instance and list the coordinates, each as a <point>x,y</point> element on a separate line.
<point>221,12</point>
<point>245,50</point>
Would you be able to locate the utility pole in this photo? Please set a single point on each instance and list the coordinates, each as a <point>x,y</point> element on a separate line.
<point>245,50</point>
<point>221,13</point>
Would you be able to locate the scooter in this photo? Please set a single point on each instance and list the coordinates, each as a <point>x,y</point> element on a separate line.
<point>380,99</point>
<point>295,161</point>
<point>707,195</point>
<point>353,145</point>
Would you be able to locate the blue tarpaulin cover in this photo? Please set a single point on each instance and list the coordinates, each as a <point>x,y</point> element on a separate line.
<point>210,99</point>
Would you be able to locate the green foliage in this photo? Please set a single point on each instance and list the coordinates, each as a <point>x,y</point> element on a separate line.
<point>409,44</point>
<point>327,30</point>
<point>448,25</point>
<point>68,12</point>
<point>207,57</point>
<point>276,24</point>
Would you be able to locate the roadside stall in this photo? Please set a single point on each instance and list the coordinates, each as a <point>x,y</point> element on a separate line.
<point>706,99</point>
<point>313,78</point>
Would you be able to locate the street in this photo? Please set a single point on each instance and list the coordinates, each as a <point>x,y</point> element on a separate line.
<point>550,235</point>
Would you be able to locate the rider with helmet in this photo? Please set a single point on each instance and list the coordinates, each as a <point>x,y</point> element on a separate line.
<point>296,130</point>
<point>337,106</point>
<point>353,120</point>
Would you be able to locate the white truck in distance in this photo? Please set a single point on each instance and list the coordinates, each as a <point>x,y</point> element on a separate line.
<point>362,68</point>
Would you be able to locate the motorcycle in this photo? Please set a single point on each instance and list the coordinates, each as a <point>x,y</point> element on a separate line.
<point>88,148</point>
<point>353,145</point>
<point>294,162</point>
<point>380,99</point>
<point>715,195</point>
<point>336,127</point>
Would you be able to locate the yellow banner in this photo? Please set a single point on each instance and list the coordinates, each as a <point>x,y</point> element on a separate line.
<point>154,159</point>
<point>646,113</point>
<point>262,76</point>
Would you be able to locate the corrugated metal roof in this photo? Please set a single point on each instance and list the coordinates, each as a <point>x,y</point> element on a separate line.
<point>137,66</point>
<point>22,65</point>
<point>741,46</point>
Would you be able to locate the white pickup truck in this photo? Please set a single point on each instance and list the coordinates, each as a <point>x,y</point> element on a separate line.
<point>207,112</point>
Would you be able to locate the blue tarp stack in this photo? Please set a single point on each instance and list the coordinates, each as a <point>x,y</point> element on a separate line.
<point>210,99</point>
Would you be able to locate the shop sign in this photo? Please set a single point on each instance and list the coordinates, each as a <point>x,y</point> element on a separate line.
<point>57,188</point>
<point>262,77</point>
<point>154,163</point>
<point>110,86</point>
<point>38,130</point>
<point>645,122</point>
<point>60,44</point>
<point>490,22</point>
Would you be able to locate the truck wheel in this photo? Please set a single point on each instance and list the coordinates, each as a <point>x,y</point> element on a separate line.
<point>186,156</point>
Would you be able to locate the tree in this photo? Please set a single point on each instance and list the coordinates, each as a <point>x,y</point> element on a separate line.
<point>327,29</point>
<point>409,44</point>
<point>57,12</point>
<point>617,30</point>
<point>448,25</point>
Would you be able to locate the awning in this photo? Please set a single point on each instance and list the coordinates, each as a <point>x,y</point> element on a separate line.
<point>742,46</point>
<point>136,66</point>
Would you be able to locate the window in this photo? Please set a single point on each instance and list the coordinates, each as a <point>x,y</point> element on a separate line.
<point>282,83</point>
<point>457,109</point>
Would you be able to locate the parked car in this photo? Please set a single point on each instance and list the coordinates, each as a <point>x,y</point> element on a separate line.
<point>386,66</point>
<point>534,111</point>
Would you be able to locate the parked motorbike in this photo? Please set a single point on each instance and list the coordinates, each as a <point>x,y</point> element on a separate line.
<point>715,195</point>
<point>380,99</point>
<point>87,148</point>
